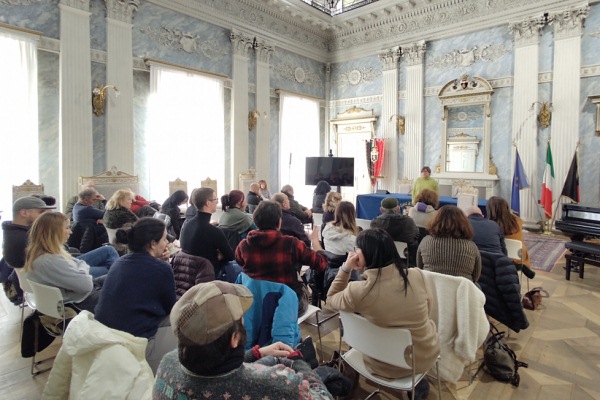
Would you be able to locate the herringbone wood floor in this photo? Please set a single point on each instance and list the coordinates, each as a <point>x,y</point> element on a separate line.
<point>562,347</point>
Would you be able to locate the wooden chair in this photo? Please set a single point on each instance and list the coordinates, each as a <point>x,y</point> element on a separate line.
<point>176,185</point>
<point>109,182</point>
<point>405,186</point>
<point>209,183</point>
<point>27,188</point>
<point>388,345</point>
<point>466,195</point>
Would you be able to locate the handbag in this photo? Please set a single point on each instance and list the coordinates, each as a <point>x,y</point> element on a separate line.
<point>533,299</point>
<point>500,360</point>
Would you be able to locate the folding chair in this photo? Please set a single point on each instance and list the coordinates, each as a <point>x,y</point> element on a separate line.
<point>387,345</point>
<point>402,248</point>
<point>28,296</point>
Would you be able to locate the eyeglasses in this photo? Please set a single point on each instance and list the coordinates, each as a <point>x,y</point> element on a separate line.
<point>217,199</point>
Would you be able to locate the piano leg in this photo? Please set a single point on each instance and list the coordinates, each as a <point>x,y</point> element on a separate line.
<point>568,268</point>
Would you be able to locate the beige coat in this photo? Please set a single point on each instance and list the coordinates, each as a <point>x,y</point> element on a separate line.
<point>382,301</point>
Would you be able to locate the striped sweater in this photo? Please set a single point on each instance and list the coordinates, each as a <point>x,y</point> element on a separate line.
<point>457,257</point>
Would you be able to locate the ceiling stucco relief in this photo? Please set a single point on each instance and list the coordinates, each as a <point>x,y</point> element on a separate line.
<point>297,74</point>
<point>19,2</point>
<point>466,57</point>
<point>356,76</point>
<point>184,41</point>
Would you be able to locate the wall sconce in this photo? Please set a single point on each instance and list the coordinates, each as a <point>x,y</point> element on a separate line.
<point>400,123</point>
<point>253,118</point>
<point>545,113</point>
<point>99,97</point>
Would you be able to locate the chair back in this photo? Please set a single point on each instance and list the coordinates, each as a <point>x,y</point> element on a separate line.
<point>176,185</point>
<point>23,281</point>
<point>514,248</point>
<point>112,239</point>
<point>49,300</point>
<point>387,345</point>
<point>402,248</point>
<point>210,183</point>
<point>108,182</point>
<point>27,188</point>
<point>363,223</point>
<point>405,186</point>
<point>317,219</point>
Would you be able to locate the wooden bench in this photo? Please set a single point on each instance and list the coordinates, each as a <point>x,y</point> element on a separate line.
<point>581,253</point>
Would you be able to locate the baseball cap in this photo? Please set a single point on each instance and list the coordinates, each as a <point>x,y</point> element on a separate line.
<point>29,203</point>
<point>206,311</point>
<point>389,203</point>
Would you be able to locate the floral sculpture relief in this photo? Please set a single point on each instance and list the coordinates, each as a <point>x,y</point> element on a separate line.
<point>357,76</point>
<point>297,74</point>
<point>466,57</point>
<point>185,41</point>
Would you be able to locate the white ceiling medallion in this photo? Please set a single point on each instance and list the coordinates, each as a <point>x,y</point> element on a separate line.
<point>354,77</point>
<point>299,75</point>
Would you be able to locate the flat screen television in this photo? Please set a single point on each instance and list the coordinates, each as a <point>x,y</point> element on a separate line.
<point>337,171</point>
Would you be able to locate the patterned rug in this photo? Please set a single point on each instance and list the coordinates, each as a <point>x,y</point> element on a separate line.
<point>544,251</point>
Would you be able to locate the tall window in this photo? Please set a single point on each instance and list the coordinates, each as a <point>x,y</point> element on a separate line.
<point>186,129</point>
<point>299,139</point>
<point>18,115</point>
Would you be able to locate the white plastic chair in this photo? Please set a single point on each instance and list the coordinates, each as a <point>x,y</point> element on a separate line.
<point>50,303</point>
<point>515,251</point>
<point>363,223</point>
<point>317,219</point>
<point>388,345</point>
<point>402,248</point>
<point>28,296</point>
<point>112,239</point>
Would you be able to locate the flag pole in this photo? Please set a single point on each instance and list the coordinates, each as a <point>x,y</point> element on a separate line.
<point>531,185</point>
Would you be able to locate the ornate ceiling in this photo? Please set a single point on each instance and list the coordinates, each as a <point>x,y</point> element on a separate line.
<point>298,27</point>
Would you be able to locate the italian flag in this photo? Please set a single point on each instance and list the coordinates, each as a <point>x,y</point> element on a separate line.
<point>547,184</point>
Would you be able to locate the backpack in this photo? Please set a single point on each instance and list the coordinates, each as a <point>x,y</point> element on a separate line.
<point>499,360</point>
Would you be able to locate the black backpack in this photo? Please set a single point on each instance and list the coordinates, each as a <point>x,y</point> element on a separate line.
<point>499,359</point>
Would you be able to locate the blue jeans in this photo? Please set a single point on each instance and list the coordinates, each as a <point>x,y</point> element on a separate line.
<point>100,260</point>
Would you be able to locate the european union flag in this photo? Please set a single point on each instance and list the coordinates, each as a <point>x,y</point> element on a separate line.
<point>519,182</point>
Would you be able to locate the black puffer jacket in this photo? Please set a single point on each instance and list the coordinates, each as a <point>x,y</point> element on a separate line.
<point>189,271</point>
<point>499,282</point>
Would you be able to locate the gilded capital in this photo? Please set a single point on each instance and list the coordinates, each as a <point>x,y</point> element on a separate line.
<point>121,10</point>
<point>414,53</point>
<point>241,43</point>
<point>390,58</point>
<point>526,32</point>
<point>569,23</point>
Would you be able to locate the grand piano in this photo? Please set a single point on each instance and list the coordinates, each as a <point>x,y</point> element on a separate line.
<point>581,223</point>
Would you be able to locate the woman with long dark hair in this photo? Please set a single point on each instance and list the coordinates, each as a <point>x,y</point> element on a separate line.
<point>319,196</point>
<point>171,208</point>
<point>448,249</point>
<point>512,227</point>
<point>386,282</point>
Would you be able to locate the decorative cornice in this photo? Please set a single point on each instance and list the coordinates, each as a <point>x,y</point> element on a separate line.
<point>526,32</point>
<point>356,100</point>
<point>241,43</point>
<point>83,5</point>
<point>121,10</point>
<point>414,53</point>
<point>569,23</point>
<point>19,2</point>
<point>390,58</point>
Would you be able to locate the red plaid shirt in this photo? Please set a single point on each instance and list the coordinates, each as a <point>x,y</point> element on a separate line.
<point>271,256</point>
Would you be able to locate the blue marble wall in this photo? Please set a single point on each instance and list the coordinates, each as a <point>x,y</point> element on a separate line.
<point>501,138</point>
<point>141,91</point>
<point>293,72</point>
<point>99,123</point>
<point>42,17</point>
<point>273,180</point>
<point>48,121</point>
<point>98,25</point>
<point>356,78</point>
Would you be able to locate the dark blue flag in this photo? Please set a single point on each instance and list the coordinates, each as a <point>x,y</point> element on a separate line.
<point>519,182</point>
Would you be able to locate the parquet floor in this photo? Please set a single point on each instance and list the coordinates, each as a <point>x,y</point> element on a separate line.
<point>562,347</point>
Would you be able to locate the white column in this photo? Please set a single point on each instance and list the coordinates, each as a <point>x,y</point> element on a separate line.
<point>326,125</point>
<point>413,139</point>
<point>524,124</point>
<point>75,126</point>
<point>566,82</point>
<point>119,72</point>
<point>263,104</point>
<point>389,113</point>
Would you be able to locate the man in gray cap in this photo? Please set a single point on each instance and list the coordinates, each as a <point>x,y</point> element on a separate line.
<point>210,360</point>
<point>400,227</point>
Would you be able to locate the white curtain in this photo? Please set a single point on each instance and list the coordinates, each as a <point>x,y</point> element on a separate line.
<point>18,115</point>
<point>186,129</point>
<point>299,122</point>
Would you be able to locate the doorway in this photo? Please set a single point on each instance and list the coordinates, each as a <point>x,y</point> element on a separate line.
<point>353,145</point>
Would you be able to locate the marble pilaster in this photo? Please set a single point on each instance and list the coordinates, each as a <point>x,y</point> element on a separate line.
<point>263,126</point>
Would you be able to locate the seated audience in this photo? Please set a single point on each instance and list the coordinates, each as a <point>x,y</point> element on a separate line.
<point>319,196</point>
<point>267,254</point>
<point>264,191</point>
<point>386,280</point>
<point>47,262</point>
<point>512,228</point>
<point>139,290</point>
<point>487,235</point>
<point>99,204</point>
<point>171,208</point>
<point>118,210</point>
<point>144,208</point>
<point>290,225</point>
<point>400,227</point>
<point>448,249</point>
<point>339,235</point>
<point>191,210</point>
<point>83,210</point>
<point>210,357</point>
<point>425,208</point>
<point>234,218</point>
<point>253,197</point>
<point>302,213</point>
<point>329,205</point>
<point>200,238</point>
